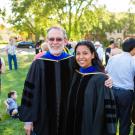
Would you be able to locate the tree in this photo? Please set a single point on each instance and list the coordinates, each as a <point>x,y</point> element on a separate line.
<point>78,17</point>
<point>35,16</point>
<point>2,13</point>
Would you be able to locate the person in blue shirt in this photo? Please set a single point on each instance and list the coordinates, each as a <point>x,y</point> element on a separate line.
<point>121,68</point>
<point>133,116</point>
<point>133,109</point>
<point>11,104</point>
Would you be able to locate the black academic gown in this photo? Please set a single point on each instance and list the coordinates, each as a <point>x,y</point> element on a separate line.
<point>45,93</point>
<point>91,106</point>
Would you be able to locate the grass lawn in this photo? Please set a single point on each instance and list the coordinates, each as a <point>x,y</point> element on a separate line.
<point>13,80</point>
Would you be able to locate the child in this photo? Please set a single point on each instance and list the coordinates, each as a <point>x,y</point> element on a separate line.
<point>11,104</point>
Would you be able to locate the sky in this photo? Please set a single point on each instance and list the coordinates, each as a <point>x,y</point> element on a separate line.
<point>117,5</point>
<point>5,4</point>
<point>112,5</point>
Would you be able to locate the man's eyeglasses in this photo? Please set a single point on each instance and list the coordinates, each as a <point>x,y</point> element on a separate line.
<point>57,39</point>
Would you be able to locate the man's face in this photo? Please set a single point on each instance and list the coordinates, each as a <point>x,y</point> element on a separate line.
<point>56,41</point>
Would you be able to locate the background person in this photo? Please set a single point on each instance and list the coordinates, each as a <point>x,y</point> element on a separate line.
<point>38,46</point>
<point>108,51</point>
<point>133,114</point>
<point>2,69</point>
<point>11,52</point>
<point>2,65</point>
<point>123,83</point>
<point>44,48</point>
<point>115,50</point>
<point>99,50</point>
<point>133,108</point>
<point>68,48</point>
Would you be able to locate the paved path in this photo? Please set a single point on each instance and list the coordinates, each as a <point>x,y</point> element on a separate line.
<point>20,51</point>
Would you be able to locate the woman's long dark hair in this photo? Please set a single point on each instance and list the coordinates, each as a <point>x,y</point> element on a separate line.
<point>96,62</point>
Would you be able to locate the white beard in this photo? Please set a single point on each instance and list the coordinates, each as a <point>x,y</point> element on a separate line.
<point>56,52</point>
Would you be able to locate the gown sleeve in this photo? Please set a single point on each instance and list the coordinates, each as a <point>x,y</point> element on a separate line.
<point>28,109</point>
<point>109,105</point>
<point>110,111</point>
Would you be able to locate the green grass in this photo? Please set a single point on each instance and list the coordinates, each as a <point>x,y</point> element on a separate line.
<point>13,80</point>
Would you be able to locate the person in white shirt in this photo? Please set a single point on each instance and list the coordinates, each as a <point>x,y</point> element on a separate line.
<point>121,68</point>
<point>11,52</point>
<point>99,50</point>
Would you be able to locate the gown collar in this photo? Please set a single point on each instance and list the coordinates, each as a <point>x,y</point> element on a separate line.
<point>48,55</point>
<point>90,69</point>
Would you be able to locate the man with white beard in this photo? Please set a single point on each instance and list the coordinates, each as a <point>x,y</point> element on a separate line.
<point>44,100</point>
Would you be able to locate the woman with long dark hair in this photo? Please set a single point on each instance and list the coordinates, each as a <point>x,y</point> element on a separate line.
<point>91,105</point>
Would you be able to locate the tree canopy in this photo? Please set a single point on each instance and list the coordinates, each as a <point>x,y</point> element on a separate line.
<point>78,17</point>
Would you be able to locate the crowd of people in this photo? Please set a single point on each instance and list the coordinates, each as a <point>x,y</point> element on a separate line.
<point>69,91</point>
